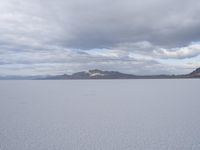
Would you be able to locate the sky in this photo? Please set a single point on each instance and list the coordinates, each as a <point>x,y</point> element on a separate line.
<point>143,37</point>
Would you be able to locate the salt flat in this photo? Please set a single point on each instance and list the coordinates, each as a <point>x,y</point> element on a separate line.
<point>100,115</point>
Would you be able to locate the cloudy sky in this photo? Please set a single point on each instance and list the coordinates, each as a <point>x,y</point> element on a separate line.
<point>39,37</point>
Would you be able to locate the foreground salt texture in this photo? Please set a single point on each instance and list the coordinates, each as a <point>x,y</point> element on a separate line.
<point>100,115</point>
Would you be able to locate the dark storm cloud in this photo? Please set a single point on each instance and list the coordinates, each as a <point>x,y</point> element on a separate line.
<point>100,23</point>
<point>92,24</point>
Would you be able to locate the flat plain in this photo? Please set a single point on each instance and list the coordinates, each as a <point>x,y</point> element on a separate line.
<point>100,115</point>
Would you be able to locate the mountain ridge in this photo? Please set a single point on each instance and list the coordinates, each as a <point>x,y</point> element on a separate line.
<point>195,73</point>
<point>99,74</point>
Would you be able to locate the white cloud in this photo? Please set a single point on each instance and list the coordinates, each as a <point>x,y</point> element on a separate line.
<point>189,51</point>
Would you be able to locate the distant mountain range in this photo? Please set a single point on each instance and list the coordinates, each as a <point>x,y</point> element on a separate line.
<point>99,74</point>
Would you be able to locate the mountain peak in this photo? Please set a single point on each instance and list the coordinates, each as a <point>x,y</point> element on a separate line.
<point>196,72</point>
<point>95,71</point>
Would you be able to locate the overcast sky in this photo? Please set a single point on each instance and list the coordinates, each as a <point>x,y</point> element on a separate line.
<point>40,37</point>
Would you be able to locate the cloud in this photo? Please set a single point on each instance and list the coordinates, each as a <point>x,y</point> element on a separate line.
<point>190,51</point>
<point>101,23</point>
<point>53,37</point>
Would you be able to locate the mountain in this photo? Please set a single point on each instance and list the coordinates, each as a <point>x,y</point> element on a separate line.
<point>95,74</point>
<point>99,74</point>
<point>195,74</point>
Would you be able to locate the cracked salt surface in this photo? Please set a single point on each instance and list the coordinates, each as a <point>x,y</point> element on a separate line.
<point>100,115</point>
